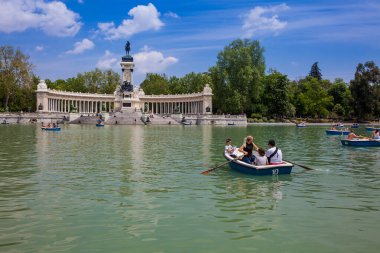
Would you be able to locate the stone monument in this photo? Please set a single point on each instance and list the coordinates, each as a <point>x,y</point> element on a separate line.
<point>124,95</point>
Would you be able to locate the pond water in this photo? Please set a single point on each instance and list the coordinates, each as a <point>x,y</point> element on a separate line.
<point>139,189</point>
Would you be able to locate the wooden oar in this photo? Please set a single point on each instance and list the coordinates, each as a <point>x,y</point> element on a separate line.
<point>220,165</point>
<point>302,166</point>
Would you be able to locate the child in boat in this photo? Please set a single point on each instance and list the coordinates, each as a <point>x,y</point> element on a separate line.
<point>261,159</point>
<point>231,150</point>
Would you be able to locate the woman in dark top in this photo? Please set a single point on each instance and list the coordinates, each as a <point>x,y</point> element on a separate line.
<point>247,149</point>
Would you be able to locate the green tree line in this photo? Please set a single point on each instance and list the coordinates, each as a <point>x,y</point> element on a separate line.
<point>239,81</point>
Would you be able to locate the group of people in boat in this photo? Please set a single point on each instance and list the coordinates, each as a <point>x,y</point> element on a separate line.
<point>375,135</point>
<point>253,154</point>
<point>49,125</point>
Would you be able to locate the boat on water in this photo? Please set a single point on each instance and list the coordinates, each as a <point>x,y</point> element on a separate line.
<point>338,125</point>
<point>100,124</point>
<point>301,124</point>
<point>5,122</point>
<point>51,128</point>
<point>355,125</point>
<point>372,128</point>
<point>231,123</point>
<point>186,123</point>
<point>242,167</point>
<point>337,132</point>
<point>361,142</point>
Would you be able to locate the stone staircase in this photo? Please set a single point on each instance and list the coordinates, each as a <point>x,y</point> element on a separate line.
<point>125,118</point>
<point>161,120</point>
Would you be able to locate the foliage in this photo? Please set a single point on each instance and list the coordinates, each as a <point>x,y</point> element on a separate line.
<point>155,84</point>
<point>237,77</point>
<point>312,100</point>
<point>276,94</point>
<point>16,79</point>
<point>341,96</point>
<point>96,81</point>
<point>315,71</point>
<point>365,90</point>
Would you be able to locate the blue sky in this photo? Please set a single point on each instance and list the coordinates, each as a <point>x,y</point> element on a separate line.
<point>67,37</point>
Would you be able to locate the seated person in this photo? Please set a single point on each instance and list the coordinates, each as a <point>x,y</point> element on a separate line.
<point>351,135</point>
<point>247,149</point>
<point>261,159</point>
<point>273,154</point>
<point>376,135</point>
<point>229,149</point>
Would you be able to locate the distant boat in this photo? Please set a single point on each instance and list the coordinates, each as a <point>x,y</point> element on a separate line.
<point>372,128</point>
<point>5,122</point>
<point>186,123</point>
<point>361,143</point>
<point>242,167</point>
<point>355,125</point>
<point>231,123</point>
<point>303,124</point>
<point>100,124</point>
<point>337,132</point>
<point>51,128</point>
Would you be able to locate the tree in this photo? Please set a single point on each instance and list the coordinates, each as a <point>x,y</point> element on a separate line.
<point>315,72</point>
<point>364,88</point>
<point>190,83</point>
<point>276,95</point>
<point>155,84</point>
<point>15,74</point>
<point>341,96</point>
<point>240,68</point>
<point>312,99</point>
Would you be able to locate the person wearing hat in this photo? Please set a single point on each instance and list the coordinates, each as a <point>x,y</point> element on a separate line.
<point>274,154</point>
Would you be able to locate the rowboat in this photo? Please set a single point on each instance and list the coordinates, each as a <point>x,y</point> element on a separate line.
<point>337,132</point>
<point>301,125</point>
<point>185,123</point>
<point>231,123</point>
<point>361,143</point>
<point>99,124</point>
<point>51,128</point>
<point>371,128</point>
<point>355,125</point>
<point>242,167</point>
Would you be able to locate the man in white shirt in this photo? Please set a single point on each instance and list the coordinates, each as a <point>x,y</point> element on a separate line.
<point>274,154</point>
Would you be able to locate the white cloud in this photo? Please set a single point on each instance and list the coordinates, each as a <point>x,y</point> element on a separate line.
<point>171,15</point>
<point>81,46</point>
<point>144,18</point>
<point>264,19</point>
<point>149,61</point>
<point>107,61</point>
<point>53,18</point>
<point>39,48</point>
<point>81,1</point>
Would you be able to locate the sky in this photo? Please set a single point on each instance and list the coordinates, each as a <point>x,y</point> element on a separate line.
<point>67,37</point>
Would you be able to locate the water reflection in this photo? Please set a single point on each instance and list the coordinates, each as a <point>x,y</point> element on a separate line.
<point>242,200</point>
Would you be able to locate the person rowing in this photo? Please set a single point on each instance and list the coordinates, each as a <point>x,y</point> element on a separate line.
<point>247,149</point>
<point>352,135</point>
<point>274,154</point>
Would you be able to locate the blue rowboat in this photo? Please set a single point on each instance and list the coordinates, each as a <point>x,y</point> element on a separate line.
<point>242,167</point>
<point>361,143</point>
<point>99,125</point>
<point>301,125</point>
<point>51,128</point>
<point>337,132</point>
<point>355,125</point>
<point>371,128</point>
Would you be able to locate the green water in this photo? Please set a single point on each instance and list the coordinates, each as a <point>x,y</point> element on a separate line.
<point>139,189</point>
